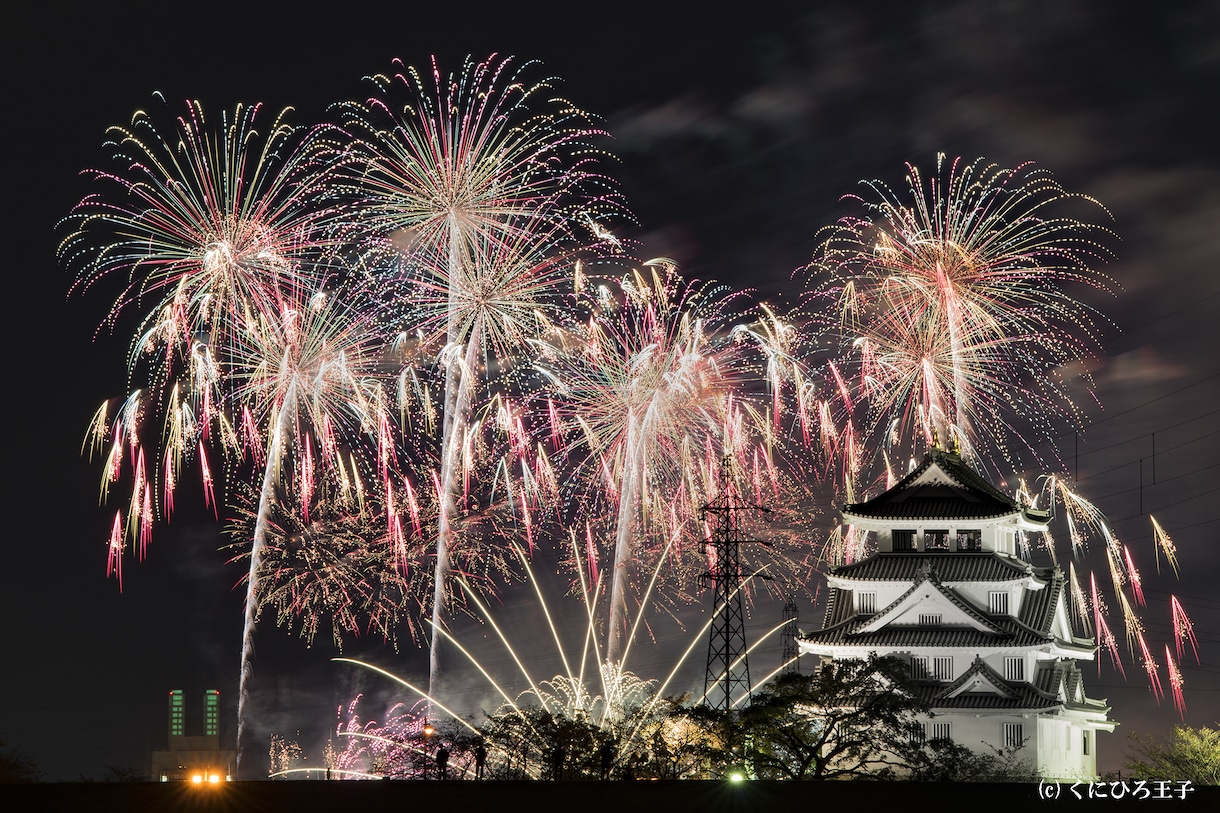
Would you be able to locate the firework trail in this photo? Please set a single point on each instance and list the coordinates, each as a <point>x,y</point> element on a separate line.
<point>473,169</point>
<point>482,310</point>
<point>1175,683</point>
<point>307,377</point>
<point>1163,544</point>
<point>1183,630</point>
<point>1104,636</point>
<point>952,307</point>
<point>649,394</point>
<point>227,242</point>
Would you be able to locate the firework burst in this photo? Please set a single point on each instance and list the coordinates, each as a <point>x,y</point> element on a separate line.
<point>478,173</point>
<point>244,350</point>
<point>202,223</point>
<point>650,394</point>
<point>306,379</point>
<point>953,300</point>
<point>342,569</point>
<point>486,151</point>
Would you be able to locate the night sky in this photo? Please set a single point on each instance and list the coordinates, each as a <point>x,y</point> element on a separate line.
<point>736,137</point>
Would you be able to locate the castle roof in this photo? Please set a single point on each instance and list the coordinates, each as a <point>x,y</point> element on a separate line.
<point>1056,685</point>
<point>981,687</point>
<point>942,487</point>
<point>845,626</point>
<point>1008,633</point>
<point>980,566</point>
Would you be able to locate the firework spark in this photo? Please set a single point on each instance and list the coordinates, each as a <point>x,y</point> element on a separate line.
<point>477,170</point>
<point>1183,629</point>
<point>954,300</point>
<point>650,393</point>
<point>342,567</point>
<point>1163,544</point>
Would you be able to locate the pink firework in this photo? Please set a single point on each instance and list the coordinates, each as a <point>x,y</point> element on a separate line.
<point>952,306</point>
<point>650,394</point>
<point>1104,636</point>
<point>475,177</point>
<point>1183,629</point>
<point>1175,683</point>
<point>1151,669</point>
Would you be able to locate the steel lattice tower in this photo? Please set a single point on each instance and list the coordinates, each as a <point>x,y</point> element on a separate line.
<point>728,669</point>
<point>791,651</point>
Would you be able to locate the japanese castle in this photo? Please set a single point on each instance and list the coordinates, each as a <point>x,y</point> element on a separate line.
<point>987,634</point>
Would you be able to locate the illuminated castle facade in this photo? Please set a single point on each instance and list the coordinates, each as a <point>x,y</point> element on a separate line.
<point>987,634</point>
<point>193,757</point>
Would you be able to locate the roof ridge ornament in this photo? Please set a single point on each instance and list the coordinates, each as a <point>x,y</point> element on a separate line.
<point>927,571</point>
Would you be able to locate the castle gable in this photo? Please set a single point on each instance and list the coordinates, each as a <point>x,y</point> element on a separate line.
<point>929,604</point>
<point>979,679</point>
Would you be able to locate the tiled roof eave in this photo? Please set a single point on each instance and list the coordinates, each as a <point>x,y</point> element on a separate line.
<point>973,703</point>
<point>951,567</point>
<point>907,637</point>
<point>848,514</point>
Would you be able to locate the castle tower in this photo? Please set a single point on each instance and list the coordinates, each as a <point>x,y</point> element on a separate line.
<point>987,634</point>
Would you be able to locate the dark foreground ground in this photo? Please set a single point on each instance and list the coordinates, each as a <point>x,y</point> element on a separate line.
<point>569,797</point>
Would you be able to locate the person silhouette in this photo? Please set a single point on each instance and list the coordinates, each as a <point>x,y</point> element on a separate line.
<point>442,761</point>
<point>607,759</point>
<point>480,759</point>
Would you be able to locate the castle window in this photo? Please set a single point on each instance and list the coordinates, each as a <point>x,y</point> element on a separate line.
<point>866,603</point>
<point>940,731</point>
<point>997,602</point>
<point>969,540</point>
<point>935,540</point>
<point>929,619</point>
<point>904,540</point>
<point>1014,735</point>
<point>1014,669</point>
<point>919,667</point>
<point>942,668</point>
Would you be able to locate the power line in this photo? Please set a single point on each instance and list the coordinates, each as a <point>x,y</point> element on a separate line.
<point>1141,437</point>
<point>1138,407</point>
